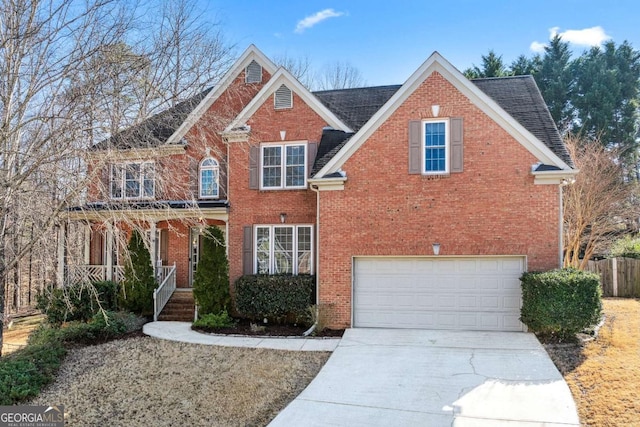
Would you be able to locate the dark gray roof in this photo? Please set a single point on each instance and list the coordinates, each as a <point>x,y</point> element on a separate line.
<point>156,129</point>
<point>331,142</point>
<point>356,106</point>
<point>520,97</point>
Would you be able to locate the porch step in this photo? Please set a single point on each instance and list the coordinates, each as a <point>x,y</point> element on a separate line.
<point>180,307</point>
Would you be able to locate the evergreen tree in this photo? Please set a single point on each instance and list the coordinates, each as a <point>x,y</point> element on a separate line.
<point>211,280</point>
<point>139,282</point>
<point>524,66</point>
<point>492,66</point>
<point>554,81</point>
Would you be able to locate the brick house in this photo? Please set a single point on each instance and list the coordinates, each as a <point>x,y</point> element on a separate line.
<point>416,205</point>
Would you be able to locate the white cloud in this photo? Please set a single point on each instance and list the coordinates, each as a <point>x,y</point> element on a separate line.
<point>316,18</point>
<point>589,37</point>
<point>537,47</point>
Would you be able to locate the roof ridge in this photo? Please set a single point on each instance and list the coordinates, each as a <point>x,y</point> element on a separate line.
<point>357,88</point>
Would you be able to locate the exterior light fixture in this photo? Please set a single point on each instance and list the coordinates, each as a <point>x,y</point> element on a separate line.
<point>283,217</point>
<point>436,248</point>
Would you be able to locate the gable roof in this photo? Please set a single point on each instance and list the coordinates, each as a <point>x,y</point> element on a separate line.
<point>543,150</point>
<point>282,76</point>
<point>155,130</point>
<point>521,98</point>
<point>356,106</point>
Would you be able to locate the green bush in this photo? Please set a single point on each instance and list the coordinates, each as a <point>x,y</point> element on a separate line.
<point>274,297</point>
<point>102,327</point>
<point>560,303</point>
<point>211,280</point>
<point>77,302</point>
<point>24,373</point>
<point>214,321</point>
<point>628,247</point>
<point>139,281</point>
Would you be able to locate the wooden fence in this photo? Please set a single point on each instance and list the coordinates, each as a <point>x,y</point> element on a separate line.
<point>620,276</point>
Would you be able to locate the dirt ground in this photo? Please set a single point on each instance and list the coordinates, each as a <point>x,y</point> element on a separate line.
<point>604,374</point>
<point>144,381</point>
<point>15,336</point>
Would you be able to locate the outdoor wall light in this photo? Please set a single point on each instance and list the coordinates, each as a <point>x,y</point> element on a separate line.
<point>436,248</point>
<point>283,217</point>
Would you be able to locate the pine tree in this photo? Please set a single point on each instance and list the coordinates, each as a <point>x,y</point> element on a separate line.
<point>211,280</point>
<point>139,282</point>
<point>554,80</point>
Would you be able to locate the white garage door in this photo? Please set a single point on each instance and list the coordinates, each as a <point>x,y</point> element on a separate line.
<point>474,293</point>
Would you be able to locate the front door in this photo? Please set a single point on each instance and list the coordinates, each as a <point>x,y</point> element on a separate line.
<point>194,254</point>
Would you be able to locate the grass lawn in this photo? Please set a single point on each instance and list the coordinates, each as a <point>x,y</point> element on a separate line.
<point>604,374</point>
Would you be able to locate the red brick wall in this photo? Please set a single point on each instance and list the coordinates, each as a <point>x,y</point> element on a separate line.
<point>492,208</point>
<point>249,207</point>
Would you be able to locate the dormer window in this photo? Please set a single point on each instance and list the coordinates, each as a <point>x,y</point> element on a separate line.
<point>209,178</point>
<point>283,98</point>
<point>253,73</point>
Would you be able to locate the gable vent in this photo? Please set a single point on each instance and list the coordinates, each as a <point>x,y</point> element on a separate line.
<point>253,73</point>
<point>283,98</point>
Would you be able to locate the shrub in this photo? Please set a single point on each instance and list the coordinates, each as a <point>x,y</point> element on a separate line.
<point>274,297</point>
<point>211,280</point>
<point>560,303</point>
<point>139,281</point>
<point>24,373</point>
<point>627,247</point>
<point>214,321</point>
<point>77,302</point>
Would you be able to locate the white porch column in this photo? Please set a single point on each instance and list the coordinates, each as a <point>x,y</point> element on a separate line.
<point>154,248</point>
<point>62,237</point>
<point>87,244</point>
<point>109,254</point>
<point>226,237</point>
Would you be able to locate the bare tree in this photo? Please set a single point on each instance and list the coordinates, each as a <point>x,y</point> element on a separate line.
<point>339,75</point>
<point>598,205</point>
<point>300,68</point>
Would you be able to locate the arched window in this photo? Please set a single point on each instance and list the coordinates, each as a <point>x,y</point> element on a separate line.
<point>209,178</point>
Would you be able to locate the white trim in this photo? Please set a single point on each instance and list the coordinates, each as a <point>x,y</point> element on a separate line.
<point>216,169</point>
<point>556,177</point>
<point>250,54</point>
<point>282,76</point>
<point>436,63</point>
<point>137,153</point>
<point>447,147</point>
<point>283,164</point>
<point>328,184</point>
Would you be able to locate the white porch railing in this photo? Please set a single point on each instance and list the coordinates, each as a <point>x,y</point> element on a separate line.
<point>162,294</point>
<point>91,273</point>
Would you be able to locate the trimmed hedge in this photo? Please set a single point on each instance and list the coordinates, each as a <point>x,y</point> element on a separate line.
<point>78,302</point>
<point>275,297</point>
<point>560,303</point>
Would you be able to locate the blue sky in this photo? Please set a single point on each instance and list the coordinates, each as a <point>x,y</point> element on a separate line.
<point>389,40</point>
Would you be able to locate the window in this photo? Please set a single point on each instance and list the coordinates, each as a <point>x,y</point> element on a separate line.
<point>209,178</point>
<point>283,166</point>
<point>283,98</point>
<point>134,180</point>
<point>253,73</point>
<point>283,249</point>
<point>436,147</point>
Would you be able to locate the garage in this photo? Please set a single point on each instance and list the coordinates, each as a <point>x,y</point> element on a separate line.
<point>464,293</point>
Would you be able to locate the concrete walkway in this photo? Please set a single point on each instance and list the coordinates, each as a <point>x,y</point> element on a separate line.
<point>382,377</point>
<point>182,332</point>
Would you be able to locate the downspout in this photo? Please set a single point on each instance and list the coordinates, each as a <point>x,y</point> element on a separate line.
<point>315,324</point>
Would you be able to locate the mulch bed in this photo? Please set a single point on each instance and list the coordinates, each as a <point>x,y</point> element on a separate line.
<point>246,327</point>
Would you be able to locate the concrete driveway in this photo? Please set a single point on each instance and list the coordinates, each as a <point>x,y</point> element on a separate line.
<point>394,377</point>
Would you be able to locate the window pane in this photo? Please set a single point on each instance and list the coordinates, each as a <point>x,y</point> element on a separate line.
<point>304,250</point>
<point>283,250</point>
<point>116,181</point>
<point>272,166</point>
<point>148,176</point>
<point>209,183</point>
<point>434,134</point>
<point>295,166</point>
<point>435,147</point>
<point>262,250</point>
